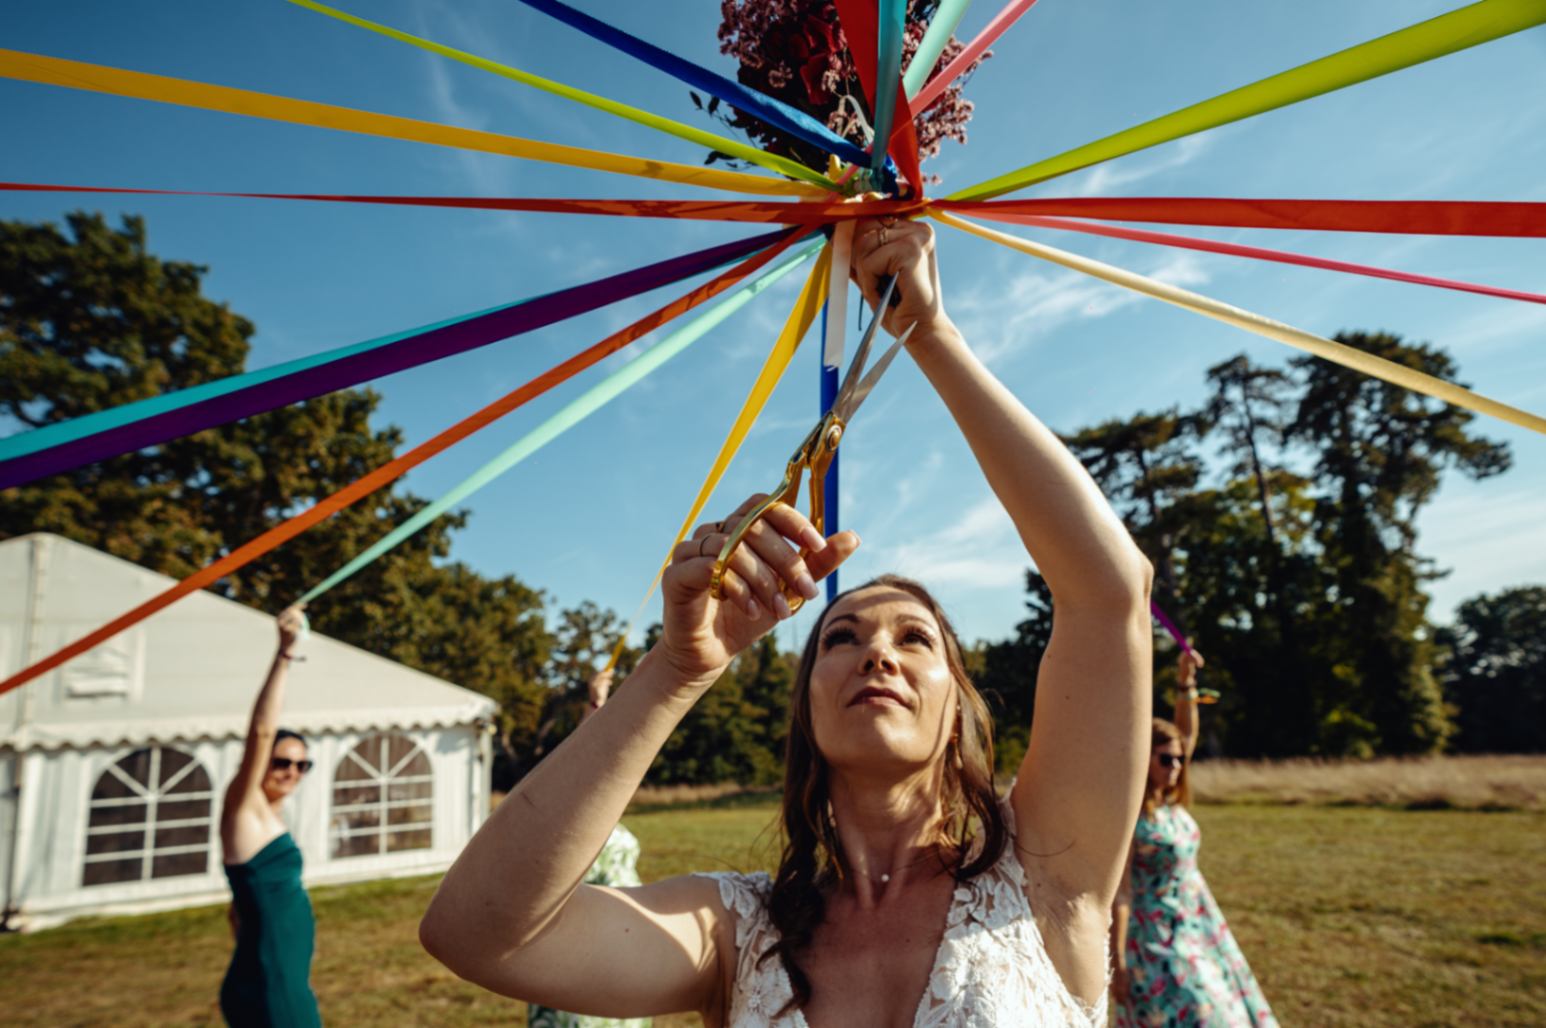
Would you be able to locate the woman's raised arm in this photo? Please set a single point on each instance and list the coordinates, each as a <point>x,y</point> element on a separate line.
<point>1079,788</point>
<point>244,800</point>
<point>512,914</point>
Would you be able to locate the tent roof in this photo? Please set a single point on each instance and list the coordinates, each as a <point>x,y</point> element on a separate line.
<point>190,672</point>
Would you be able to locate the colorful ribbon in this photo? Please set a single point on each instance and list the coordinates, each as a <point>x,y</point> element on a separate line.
<point>57,448</point>
<point>1170,627</point>
<point>397,467</point>
<point>1261,254</point>
<point>975,49</point>
<point>1411,217</point>
<point>858,18</point>
<point>946,18</point>
<point>817,212</point>
<point>138,85</point>
<point>833,327</point>
<point>736,148</point>
<point>765,108</point>
<point>795,327</point>
<point>572,414</point>
<point>1326,349</point>
<point>1437,37</point>
<point>888,69</point>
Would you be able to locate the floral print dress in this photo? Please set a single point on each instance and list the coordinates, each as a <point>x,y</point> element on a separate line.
<point>617,866</point>
<point>1184,966</point>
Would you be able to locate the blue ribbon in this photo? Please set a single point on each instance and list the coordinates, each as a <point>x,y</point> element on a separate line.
<point>759,105</point>
<point>829,374</point>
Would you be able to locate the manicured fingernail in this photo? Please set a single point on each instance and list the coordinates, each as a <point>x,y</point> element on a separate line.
<point>781,605</point>
<point>812,539</point>
<point>807,586</point>
<point>753,609</point>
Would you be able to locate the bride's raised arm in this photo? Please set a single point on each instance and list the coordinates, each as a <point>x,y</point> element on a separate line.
<point>1079,788</point>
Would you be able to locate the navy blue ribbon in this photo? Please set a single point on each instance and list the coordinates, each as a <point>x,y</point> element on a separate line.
<point>758,105</point>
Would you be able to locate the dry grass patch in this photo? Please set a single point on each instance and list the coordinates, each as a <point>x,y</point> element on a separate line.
<point>1432,783</point>
<point>1350,917</point>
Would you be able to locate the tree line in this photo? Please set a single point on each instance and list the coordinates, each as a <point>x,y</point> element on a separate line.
<point>1279,518</point>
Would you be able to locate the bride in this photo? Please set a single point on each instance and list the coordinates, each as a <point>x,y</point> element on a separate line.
<point>908,892</point>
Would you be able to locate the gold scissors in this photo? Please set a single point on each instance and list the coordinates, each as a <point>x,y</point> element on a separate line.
<point>816,452</point>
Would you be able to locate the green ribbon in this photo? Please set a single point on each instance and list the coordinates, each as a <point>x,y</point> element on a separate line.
<point>576,411</point>
<point>1448,33</point>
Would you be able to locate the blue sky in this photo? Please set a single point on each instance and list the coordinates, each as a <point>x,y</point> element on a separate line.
<point>590,516</point>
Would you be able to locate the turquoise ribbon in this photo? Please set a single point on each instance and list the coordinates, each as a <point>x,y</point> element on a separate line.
<point>934,41</point>
<point>578,410</point>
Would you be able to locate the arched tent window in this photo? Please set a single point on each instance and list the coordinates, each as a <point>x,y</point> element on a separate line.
<point>149,818</point>
<point>382,798</point>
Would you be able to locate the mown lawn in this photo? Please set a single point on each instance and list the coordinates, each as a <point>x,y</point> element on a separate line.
<point>1350,916</point>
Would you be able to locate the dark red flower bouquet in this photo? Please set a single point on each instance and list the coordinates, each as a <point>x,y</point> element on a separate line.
<point>795,51</point>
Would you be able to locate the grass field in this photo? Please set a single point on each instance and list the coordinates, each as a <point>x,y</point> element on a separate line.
<point>1350,916</point>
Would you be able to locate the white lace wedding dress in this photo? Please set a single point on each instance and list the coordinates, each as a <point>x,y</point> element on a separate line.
<point>991,970</point>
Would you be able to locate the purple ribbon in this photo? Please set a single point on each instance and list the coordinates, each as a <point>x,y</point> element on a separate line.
<point>1170,626</point>
<point>412,351</point>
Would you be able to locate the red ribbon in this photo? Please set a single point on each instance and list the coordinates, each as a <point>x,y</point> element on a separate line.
<point>1262,254</point>
<point>773,212</point>
<point>1418,217</point>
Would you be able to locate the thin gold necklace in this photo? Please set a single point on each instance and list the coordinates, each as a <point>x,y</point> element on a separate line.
<point>885,879</point>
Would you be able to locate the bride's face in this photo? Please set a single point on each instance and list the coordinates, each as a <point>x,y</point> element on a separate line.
<point>881,692</point>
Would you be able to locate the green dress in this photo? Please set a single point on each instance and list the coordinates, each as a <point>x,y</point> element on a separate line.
<point>269,980</point>
<point>617,866</point>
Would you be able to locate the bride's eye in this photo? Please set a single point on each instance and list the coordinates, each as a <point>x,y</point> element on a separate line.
<point>837,636</point>
<point>919,637</point>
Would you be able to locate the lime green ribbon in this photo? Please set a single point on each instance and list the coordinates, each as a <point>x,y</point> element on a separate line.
<point>1448,33</point>
<point>782,165</point>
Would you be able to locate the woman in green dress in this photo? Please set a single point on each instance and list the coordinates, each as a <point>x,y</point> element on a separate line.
<point>616,866</point>
<point>269,980</point>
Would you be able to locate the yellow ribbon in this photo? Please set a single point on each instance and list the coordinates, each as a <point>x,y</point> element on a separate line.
<point>773,162</point>
<point>1326,349</point>
<point>98,78</point>
<point>812,296</point>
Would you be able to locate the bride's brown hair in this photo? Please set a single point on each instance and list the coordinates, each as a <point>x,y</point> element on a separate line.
<point>813,859</point>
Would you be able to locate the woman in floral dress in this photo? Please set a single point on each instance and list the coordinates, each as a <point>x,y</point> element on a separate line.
<point>1177,963</point>
<point>616,866</point>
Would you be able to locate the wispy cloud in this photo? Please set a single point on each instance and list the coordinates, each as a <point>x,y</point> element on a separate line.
<point>1002,318</point>
<point>1104,179</point>
<point>1489,538</point>
<point>980,550</point>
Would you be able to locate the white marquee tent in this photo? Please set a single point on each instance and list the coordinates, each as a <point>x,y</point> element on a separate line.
<point>112,767</point>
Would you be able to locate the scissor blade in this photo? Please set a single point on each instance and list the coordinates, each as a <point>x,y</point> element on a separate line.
<point>851,403</point>
<point>862,354</point>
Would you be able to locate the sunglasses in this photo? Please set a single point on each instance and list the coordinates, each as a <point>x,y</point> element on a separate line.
<point>1171,760</point>
<point>285,764</point>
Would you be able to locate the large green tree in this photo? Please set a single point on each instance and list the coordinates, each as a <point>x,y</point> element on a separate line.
<point>90,320</point>
<point>1379,455</point>
<point>1495,673</point>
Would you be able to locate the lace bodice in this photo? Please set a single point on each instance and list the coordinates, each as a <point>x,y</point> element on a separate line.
<point>991,969</point>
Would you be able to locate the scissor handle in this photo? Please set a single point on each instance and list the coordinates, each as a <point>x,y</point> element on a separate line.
<point>788,489</point>
<point>788,492</point>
